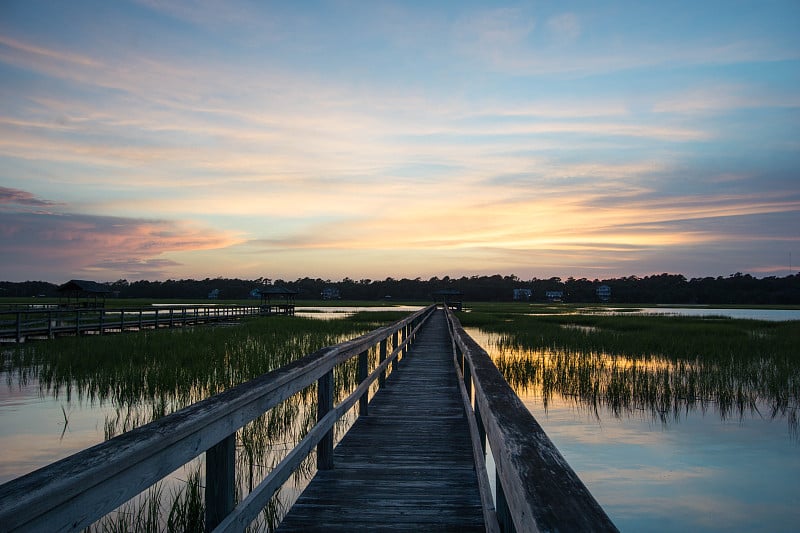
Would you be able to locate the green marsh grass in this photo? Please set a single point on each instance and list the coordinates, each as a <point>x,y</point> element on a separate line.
<point>149,374</point>
<point>657,366</point>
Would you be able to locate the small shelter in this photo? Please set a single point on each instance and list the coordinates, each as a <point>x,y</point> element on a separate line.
<point>452,298</point>
<point>83,293</point>
<point>277,300</point>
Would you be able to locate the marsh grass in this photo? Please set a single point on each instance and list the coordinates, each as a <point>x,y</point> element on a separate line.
<point>657,366</point>
<point>147,375</point>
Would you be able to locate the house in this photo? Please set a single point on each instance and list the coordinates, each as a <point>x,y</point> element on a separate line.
<point>604,293</point>
<point>522,294</point>
<point>330,293</point>
<point>213,295</point>
<point>554,296</point>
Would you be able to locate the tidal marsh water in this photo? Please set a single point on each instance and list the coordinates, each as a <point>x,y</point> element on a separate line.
<point>674,423</point>
<point>62,396</point>
<point>680,425</point>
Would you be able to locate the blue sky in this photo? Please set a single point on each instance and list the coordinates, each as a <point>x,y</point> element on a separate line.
<point>160,139</point>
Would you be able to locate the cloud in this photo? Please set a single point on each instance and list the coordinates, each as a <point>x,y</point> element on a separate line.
<point>74,244</point>
<point>719,98</point>
<point>21,198</point>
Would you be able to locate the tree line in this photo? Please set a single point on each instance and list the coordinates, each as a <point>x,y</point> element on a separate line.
<point>662,288</point>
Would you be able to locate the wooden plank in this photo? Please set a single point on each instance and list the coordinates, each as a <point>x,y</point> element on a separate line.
<point>406,466</point>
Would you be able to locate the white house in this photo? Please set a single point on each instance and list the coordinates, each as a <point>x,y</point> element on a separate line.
<point>522,294</point>
<point>604,293</point>
<point>554,296</point>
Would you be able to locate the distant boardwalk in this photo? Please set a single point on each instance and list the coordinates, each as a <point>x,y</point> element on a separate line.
<point>18,324</point>
<point>408,465</point>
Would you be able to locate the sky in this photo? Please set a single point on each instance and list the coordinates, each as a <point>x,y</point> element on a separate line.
<point>157,139</point>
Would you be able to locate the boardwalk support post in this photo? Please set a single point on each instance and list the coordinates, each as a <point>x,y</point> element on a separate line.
<point>220,480</point>
<point>324,406</point>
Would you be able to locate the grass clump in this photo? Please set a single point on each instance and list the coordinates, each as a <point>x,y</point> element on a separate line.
<point>661,366</point>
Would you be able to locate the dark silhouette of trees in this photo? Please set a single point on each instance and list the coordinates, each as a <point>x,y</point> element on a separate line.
<point>664,288</point>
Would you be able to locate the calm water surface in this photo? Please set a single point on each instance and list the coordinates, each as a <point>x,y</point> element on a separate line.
<point>696,471</point>
<point>754,314</point>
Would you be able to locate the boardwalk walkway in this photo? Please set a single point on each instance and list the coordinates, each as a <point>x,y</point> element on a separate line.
<point>408,465</point>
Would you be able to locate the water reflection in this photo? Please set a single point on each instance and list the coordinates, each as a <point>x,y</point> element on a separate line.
<point>109,385</point>
<point>668,444</point>
<point>661,388</point>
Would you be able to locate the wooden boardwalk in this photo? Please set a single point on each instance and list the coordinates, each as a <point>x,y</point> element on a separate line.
<point>406,466</point>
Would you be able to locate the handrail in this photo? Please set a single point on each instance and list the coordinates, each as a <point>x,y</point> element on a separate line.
<point>21,323</point>
<point>536,488</point>
<point>74,492</point>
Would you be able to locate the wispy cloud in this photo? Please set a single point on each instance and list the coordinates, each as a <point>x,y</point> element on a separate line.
<point>80,243</point>
<point>21,198</point>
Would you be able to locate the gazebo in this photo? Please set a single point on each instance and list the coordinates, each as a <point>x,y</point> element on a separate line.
<point>82,293</point>
<point>283,297</point>
<point>452,298</point>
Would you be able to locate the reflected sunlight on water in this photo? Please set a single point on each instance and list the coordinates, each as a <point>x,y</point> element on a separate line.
<point>699,466</point>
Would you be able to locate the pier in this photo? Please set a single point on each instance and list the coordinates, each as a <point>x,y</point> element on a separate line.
<point>414,460</point>
<point>18,324</point>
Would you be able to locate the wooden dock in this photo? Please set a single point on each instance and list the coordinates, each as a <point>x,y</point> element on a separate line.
<point>412,461</point>
<point>407,465</point>
<point>18,324</point>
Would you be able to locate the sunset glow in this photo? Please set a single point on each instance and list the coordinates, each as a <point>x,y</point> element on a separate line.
<point>154,140</point>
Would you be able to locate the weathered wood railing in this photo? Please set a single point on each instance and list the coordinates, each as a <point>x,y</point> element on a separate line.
<point>75,492</point>
<point>19,324</point>
<point>536,489</point>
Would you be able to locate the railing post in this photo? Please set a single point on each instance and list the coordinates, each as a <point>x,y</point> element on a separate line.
<point>481,428</point>
<point>501,508</point>
<point>467,380</point>
<point>220,480</point>
<point>394,347</point>
<point>19,327</point>
<point>140,320</point>
<point>156,327</point>
<point>324,406</point>
<point>102,320</point>
<point>77,322</point>
<point>49,324</point>
<point>363,370</point>
<point>381,359</point>
<point>121,320</point>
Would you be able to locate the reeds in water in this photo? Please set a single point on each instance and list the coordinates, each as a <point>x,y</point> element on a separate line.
<point>656,366</point>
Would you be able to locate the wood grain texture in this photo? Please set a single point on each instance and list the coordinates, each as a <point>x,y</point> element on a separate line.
<point>408,465</point>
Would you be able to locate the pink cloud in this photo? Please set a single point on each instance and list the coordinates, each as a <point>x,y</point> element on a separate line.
<point>59,246</point>
<point>19,197</point>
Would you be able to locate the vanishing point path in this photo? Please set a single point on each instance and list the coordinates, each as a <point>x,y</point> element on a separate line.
<point>407,465</point>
